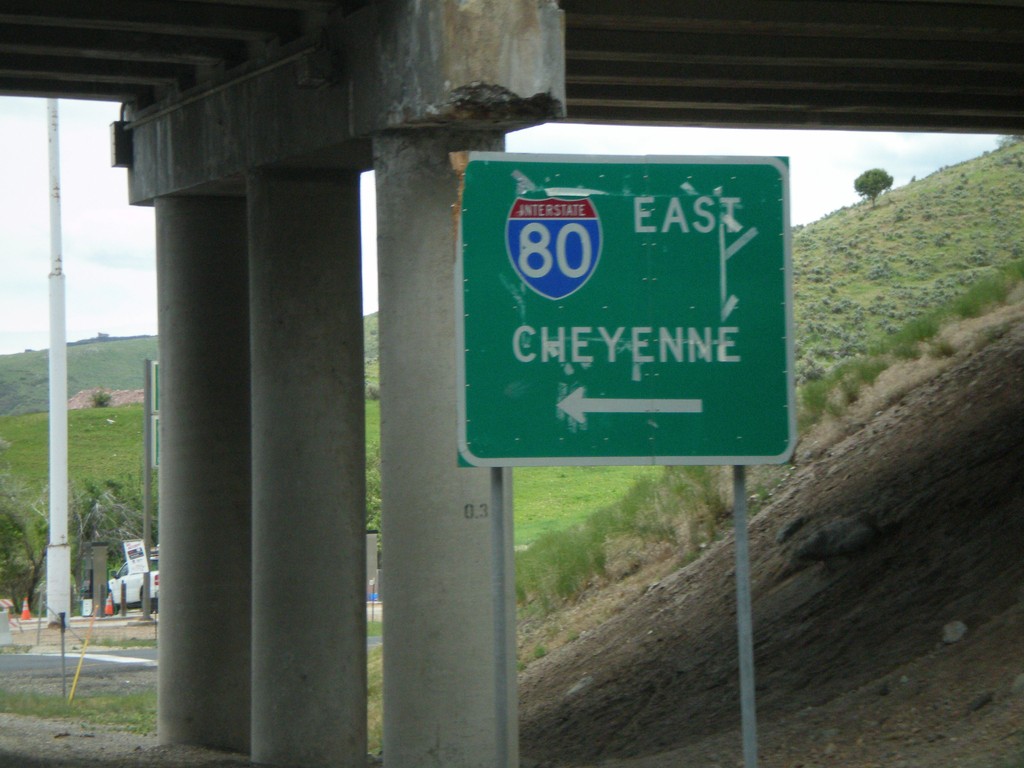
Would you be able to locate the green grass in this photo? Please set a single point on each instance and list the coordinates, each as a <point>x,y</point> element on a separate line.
<point>134,712</point>
<point>371,338</point>
<point>137,712</point>
<point>841,387</point>
<point>906,343</point>
<point>659,504</point>
<point>974,300</point>
<point>549,499</point>
<point>372,423</point>
<point>375,700</point>
<point>102,443</point>
<point>24,378</point>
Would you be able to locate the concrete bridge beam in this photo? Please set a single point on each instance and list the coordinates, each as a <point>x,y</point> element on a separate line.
<point>483,63</point>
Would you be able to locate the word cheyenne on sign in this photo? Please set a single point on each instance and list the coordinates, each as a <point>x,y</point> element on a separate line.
<point>641,344</point>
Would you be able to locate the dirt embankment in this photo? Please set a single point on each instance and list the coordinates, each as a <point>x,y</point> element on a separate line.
<point>117,397</point>
<point>911,526</point>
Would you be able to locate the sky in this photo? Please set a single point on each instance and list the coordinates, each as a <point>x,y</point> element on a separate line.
<point>109,246</point>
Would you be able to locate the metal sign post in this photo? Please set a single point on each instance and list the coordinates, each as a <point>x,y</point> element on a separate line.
<point>744,621</point>
<point>499,594</point>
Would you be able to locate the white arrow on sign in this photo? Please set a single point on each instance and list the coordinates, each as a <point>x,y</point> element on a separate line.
<point>577,405</point>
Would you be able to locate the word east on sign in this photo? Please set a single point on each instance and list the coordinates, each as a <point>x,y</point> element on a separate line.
<point>624,310</point>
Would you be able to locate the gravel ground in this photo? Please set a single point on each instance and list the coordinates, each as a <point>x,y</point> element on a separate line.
<point>29,742</point>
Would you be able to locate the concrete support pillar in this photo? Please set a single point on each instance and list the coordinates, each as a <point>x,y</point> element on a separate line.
<point>439,660</point>
<point>202,270</point>
<point>309,457</point>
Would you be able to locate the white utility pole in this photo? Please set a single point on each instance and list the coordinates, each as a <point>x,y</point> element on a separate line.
<point>58,553</point>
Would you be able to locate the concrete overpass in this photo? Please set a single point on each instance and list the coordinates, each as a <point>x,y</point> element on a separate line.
<point>859,64</point>
<point>246,124</point>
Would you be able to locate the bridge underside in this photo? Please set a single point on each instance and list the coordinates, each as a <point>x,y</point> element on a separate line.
<point>857,64</point>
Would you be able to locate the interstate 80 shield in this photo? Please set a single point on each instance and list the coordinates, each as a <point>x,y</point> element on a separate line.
<point>554,243</point>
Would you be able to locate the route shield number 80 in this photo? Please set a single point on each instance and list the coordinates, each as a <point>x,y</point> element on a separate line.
<point>554,244</point>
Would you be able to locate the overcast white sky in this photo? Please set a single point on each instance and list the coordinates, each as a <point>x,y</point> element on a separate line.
<point>108,245</point>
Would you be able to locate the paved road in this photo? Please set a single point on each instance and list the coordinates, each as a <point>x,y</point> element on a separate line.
<point>24,662</point>
<point>94,660</point>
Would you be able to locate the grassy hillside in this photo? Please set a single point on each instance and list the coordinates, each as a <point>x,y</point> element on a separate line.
<point>112,363</point>
<point>102,443</point>
<point>109,363</point>
<point>864,271</point>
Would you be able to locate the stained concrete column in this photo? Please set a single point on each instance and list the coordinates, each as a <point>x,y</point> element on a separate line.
<point>203,298</point>
<point>309,457</point>
<point>439,660</point>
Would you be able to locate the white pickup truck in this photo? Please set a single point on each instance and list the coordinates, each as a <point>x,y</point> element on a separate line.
<point>133,585</point>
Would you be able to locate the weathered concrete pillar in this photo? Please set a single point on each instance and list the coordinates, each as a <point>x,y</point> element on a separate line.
<point>309,457</point>
<point>439,661</point>
<point>205,509</point>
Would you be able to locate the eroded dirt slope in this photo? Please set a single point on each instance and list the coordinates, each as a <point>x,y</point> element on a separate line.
<point>914,521</point>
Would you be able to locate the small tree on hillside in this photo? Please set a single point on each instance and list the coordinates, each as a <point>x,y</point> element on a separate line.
<point>871,184</point>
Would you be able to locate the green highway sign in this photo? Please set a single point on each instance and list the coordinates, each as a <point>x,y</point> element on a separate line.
<point>624,310</point>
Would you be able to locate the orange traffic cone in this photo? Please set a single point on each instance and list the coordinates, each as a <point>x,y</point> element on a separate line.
<point>26,614</point>
<point>108,609</point>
